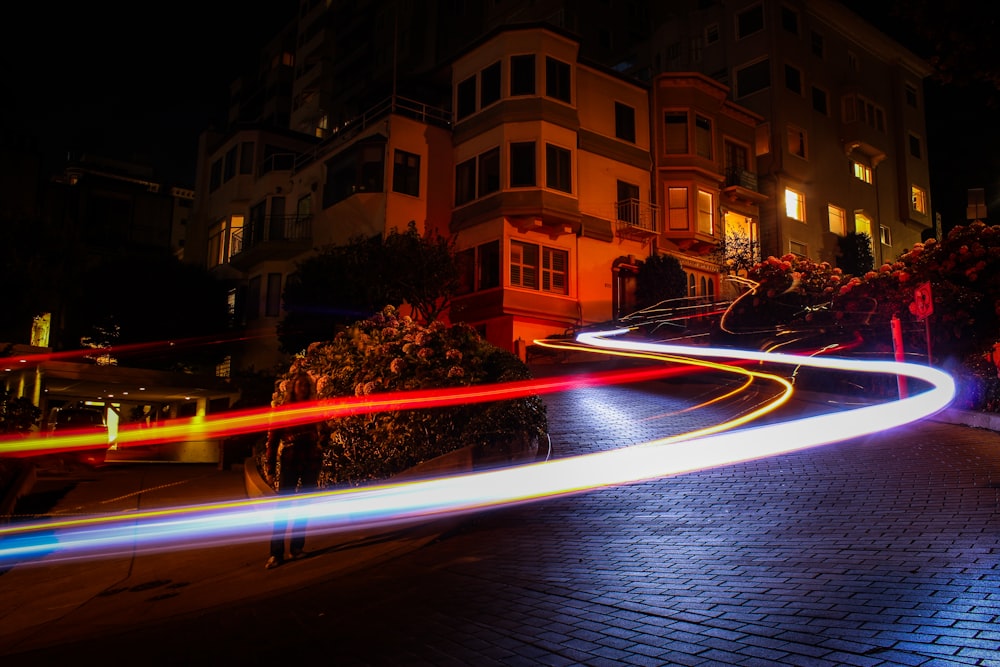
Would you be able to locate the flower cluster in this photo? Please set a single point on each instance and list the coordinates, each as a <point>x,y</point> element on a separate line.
<point>394,353</point>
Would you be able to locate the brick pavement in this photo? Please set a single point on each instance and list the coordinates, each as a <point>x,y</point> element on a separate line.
<point>883,550</point>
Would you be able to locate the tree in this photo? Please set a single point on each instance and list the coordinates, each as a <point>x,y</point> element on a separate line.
<point>343,284</point>
<point>660,277</point>
<point>856,256</point>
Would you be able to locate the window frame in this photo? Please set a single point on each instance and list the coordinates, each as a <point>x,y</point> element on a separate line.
<point>624,122</point>
<point>558,80</point>
<point>918,200</point>
<point>795,205</point>
<point>541,263</point>
<point>753,28</point>
<point>522,76</point>
<point>405,176</point>
<point>557,161</point>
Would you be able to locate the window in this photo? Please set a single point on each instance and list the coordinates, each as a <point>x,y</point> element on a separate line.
<point>797,141</point>
<point>253,298</point>
<point>790,20</point>
<point>229,170</point>
<point>557,75</point>
<point>246,157</point>
<point>479,267</point>
<point>703,137</point>
<point>628,202</point>
<point>465,98</point>
<point>820,100</point>
<point>798,248</point>
<point>915,150</point>
<point>706,213</point>
<point>215,176</point>
<point>852,62</point>
<point>358,169</point>
<point>558,174</point>
<point>817,44</point>
<point>489,172</point>
<point>911,95</point>
<point>695,51</point>
<point>624,122</point>
<point>489,85</point>
<point>919,198</point>
<point>863,225</point>
<point>303,208</point>
<point>538,267</point>
<point>477,177</point>
<point>217,244</point>
<point>750,21</point>
<point>795,205</point>
<point>522,165</point>
<point>522,75</point>
<point>465,182</point>
<point>753,78</point>
<point>884,235</point>
<point>272,305</point>
<point>838,219</point>
<point>677,208</point>
<point>675,132</point>
<point>406,173</point>
<point>793,79</point>
<point>712,33</point>
<point>862,172</point>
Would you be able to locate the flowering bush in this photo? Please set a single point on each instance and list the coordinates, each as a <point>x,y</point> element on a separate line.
<point>963,270</point>
<point>389,353</point>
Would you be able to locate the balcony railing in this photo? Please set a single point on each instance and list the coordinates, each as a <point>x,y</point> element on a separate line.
<point>398,105</point>
<point>633,215</point>
<point>737,176</point>
<point>271,229</point>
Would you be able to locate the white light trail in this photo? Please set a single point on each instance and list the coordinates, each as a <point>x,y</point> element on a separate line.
<point>406,503</point>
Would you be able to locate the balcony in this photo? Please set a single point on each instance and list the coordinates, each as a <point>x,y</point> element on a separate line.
<point>636,220</point>
<point>273,237</point>
<point>741,186</point>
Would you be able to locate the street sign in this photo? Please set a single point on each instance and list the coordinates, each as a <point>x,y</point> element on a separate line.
<point>923,302</point>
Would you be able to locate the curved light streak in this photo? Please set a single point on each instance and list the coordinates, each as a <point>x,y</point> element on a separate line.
<point>404,503</point>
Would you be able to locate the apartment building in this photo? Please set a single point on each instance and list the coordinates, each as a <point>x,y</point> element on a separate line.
<point>561,149</point>
<point>845,145</point>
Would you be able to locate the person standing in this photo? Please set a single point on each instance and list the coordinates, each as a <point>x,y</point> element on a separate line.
<point>293,459</point>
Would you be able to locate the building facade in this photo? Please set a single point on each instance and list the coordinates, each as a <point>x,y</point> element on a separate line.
<point>844,147</point>
<point>560,149</point>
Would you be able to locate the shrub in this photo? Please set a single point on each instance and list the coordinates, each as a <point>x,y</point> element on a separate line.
<point>388,353</point>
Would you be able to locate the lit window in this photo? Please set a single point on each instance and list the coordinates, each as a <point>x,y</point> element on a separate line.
<point>919,198</point>
<point>862,172</point>
<point>538,267</point>
<point>706,215</point>
<point>884,235</point>
<point>863,225</point>
<point>838,219</point>
<point>795,205</point>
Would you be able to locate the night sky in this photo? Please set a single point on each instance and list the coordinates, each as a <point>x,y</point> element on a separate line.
<point>131,84</point>
<point>129,80</point>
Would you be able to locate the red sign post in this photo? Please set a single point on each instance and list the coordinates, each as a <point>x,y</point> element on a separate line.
<point>923,308</point>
